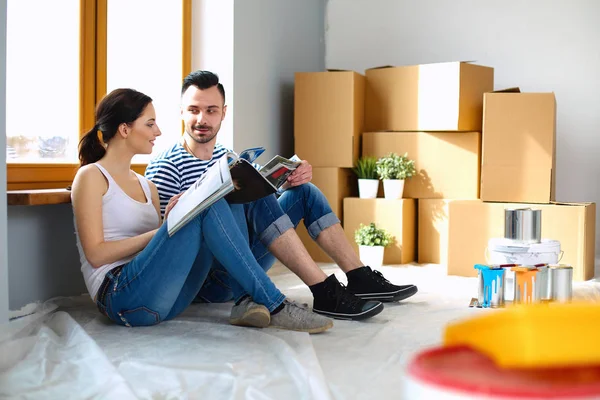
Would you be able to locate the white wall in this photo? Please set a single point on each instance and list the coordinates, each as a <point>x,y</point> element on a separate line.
<point>212,50</point>
<point>273,39</point>
<point>539,45</point>
<point>3,257</point>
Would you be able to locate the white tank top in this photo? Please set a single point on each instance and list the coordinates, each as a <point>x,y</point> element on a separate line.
<point>122,217</point>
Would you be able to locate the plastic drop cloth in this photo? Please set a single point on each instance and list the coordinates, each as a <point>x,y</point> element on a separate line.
<point>67,350</point>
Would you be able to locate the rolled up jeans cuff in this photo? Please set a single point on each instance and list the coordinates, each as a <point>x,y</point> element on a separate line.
<point>276,229</point>
<point>321,224</point>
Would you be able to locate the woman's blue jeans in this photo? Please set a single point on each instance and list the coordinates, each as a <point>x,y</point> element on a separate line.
<point>267,219</point>
<point>165,277</point>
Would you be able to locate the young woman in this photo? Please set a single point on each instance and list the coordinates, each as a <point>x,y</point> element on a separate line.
<point>136,273</point>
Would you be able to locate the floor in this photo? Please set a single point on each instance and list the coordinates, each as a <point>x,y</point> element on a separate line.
<point>68,350</point>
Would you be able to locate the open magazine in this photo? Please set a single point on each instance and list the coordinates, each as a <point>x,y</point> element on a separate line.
<point>236,179</point>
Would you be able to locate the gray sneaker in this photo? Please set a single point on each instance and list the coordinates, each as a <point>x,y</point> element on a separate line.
<point>295,317</point>
<point>249,313</point>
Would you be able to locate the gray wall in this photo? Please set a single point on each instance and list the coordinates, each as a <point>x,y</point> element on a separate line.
<point>3,258</point>
<point>42,256</point>
<point>539,45</point>
<point>272,40</point>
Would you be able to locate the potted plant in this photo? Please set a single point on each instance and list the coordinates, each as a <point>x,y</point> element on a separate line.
<point>393,170</point>
<point>372,242</point>
<point>368,181</point>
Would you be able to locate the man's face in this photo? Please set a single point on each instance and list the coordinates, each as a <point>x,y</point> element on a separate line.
<point>202,112</point>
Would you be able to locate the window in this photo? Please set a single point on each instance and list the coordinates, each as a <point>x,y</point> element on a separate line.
<point>58,68</point>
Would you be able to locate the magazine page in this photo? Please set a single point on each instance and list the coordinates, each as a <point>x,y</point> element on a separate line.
<point>277,170</point>
<point>249,184</point>
<point>252,154</point>
<point>211,186</point>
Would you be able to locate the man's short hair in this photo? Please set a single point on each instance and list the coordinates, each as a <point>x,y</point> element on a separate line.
<point>202,80</point>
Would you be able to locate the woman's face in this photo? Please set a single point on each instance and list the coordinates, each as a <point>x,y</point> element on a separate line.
<point>144,131</point>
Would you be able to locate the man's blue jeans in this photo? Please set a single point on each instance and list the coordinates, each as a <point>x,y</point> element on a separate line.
<point>165,277</point>
<point>267,219</point>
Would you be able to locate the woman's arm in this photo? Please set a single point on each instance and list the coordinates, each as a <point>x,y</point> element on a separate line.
<point>156,201</point>
<point>88,188</point>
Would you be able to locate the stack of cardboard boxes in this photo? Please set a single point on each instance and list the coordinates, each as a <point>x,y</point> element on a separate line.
<point>328,124</point>
<point>519,170</point>
<point>476,152</point>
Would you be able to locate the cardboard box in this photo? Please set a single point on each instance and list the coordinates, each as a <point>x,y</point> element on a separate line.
<point>473,223</point>
<point>336,184</point>
<point>447,163</point>
<point>518,150</point>
<point>398,217</point>
<point>329,117</point>
<point>432,230</point>
<point>428,97</point>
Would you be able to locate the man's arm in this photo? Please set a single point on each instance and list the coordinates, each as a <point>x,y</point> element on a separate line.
<point>165,175</point>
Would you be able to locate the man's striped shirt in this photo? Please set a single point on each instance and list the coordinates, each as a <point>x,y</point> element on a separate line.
<point>175,170</point>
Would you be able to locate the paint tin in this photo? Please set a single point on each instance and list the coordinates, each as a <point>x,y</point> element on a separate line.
<point>509,284</point>
<point>492,289</point>
<point>525,287</point>
<point>561,279</point>
<point>523,225</point>
<point>542,284</point>
<point>464,373</point>
<point>480,287</point>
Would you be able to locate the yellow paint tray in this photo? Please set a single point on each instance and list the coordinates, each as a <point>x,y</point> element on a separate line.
<point>533,335</point>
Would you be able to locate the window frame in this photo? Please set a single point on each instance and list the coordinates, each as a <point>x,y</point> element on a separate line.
<point>92,70</point>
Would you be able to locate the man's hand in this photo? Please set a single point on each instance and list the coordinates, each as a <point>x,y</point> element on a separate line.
<point>171,204</point>
<point>302,174</point>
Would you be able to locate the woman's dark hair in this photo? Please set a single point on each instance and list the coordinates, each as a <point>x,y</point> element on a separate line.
<point>117,107</point>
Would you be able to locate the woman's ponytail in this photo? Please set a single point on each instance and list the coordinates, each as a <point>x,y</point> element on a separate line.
<point>91,148</point>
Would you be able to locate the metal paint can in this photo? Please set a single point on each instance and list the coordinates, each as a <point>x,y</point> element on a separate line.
<point>525,284</point>
<point>509,284</point>
<point>562,282</point>
<point>493,286</point>
<point>523,225</point>
<point>480,286</point>
<point>542,283</point>
<point>490,290</point>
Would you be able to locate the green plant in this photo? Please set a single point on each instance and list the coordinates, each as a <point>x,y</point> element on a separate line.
<point>366,168</point>
<point>370,235</point>
<point>394,166</point>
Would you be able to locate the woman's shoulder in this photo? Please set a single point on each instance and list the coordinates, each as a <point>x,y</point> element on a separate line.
<point>89,176</point>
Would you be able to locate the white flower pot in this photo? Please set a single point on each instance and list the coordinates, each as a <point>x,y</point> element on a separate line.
<point>367,188</point>
<point>371,255</point>
<point>393,188</point>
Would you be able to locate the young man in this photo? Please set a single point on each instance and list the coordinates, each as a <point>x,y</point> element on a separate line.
<point>271,220</point>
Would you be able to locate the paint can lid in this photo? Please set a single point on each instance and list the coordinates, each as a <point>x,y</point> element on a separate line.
<point>462,369</point>
<point>560,266</point>
<point>511,246</point>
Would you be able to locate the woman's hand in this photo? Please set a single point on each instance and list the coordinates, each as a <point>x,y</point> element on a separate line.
<point>171,204</point>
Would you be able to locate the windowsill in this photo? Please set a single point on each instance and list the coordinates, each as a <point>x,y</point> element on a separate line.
<point>38,197</point>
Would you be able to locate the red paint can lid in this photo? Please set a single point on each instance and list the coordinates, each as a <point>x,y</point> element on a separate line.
<point>465,370</point>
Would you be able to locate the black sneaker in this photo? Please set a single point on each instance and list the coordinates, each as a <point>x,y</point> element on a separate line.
<point>372,285</point>
<point>335,301</point>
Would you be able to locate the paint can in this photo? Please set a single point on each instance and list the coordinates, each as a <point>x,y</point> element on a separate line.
<point>523,225</point>
<point>542,284</point>
<point>525,284</point>
<point>492,289</point>
<point>507,251</point>
<point>480,287</point>
<point>561,280</point>
<point>509,284</point>
<point>453,373</point>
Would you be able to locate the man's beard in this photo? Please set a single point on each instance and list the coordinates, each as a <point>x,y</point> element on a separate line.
<point>204,139</point>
